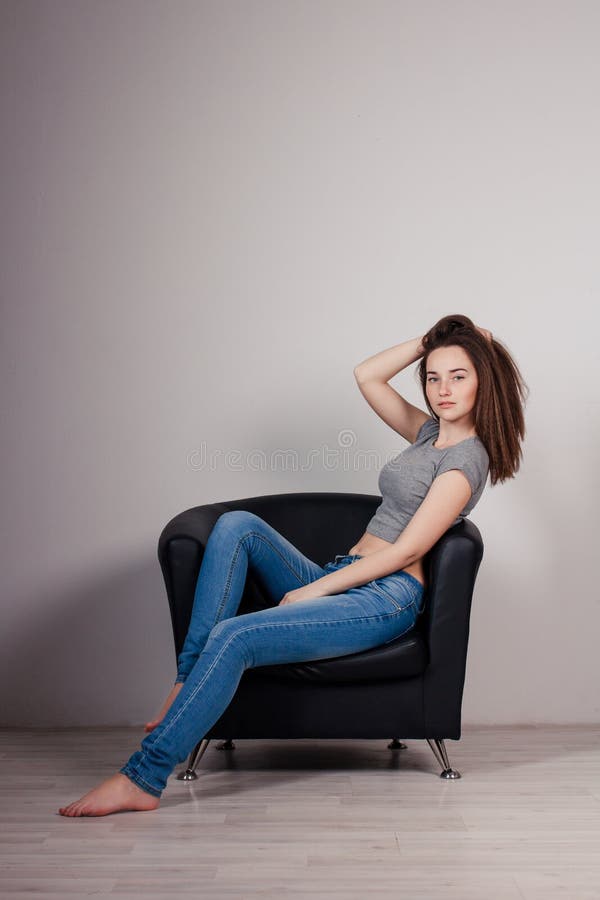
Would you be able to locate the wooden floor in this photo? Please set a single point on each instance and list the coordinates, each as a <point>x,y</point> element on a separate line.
<point>314,819</point>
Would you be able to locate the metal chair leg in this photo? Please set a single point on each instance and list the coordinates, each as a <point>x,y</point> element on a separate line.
<point>439,751</point>
<point>195,757</point>
<point>438,747</point>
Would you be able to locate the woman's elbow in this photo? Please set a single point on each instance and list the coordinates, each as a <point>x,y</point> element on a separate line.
<point>406,556</point>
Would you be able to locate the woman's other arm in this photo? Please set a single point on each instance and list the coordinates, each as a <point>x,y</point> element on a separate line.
<point>445,499</point>
<point>372,376</point>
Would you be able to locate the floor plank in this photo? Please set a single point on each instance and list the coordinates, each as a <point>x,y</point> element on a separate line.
<point>318,819</point>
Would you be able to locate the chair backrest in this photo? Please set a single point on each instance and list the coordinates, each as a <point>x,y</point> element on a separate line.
<point>322,524</point>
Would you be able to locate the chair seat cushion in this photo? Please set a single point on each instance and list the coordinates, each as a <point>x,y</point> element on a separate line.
<point>404,657</point>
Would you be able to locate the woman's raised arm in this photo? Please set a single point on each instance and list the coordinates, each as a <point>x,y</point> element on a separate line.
<point>372,376</point>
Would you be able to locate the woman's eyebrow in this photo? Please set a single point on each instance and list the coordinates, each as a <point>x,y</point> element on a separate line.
<point>433,372</point>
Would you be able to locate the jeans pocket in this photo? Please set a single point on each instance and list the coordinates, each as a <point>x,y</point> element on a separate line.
<point>385,592</point>
<point>405,619</point>
<point>399,589</point>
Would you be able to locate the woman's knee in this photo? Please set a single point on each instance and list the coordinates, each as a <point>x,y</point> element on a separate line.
<point>223,630</point>
<point>229,633</point>
<point>238,520</point>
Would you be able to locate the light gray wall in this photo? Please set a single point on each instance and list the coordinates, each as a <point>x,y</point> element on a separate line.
<point>211,212</point>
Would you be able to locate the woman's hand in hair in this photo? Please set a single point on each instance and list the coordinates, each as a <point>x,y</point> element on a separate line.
<point>487,334</point>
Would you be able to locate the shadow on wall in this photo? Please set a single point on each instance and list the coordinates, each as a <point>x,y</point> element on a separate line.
<point>100,653</point>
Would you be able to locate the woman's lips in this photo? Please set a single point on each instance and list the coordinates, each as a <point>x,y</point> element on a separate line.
<point>446,404</point>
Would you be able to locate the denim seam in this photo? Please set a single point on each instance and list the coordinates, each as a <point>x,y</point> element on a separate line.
<point>249,628</point>
<point>275,549</point>
<point>416,584</point>
<point>141,782</point>
<point>408,627</point>
<point>387,594</point>
<point>408,606</point>
<point>236,553</point>
<point>383,591</point>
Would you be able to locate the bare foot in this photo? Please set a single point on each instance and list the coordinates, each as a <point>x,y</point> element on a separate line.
<point>116,794</point>
<point>149,726</point>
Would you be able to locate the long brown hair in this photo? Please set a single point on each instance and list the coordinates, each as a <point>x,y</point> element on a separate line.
<point>501,393</point>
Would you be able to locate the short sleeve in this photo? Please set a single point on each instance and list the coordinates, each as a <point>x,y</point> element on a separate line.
<point>473,463</point>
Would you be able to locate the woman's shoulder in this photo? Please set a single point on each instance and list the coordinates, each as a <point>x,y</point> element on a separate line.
<point>471,448</point>
<point>480,448</point>
<point>429,428</point>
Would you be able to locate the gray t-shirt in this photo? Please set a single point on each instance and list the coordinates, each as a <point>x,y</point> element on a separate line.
<point>405,479</point>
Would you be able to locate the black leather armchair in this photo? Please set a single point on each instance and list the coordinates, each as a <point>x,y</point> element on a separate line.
<point>411,687</point>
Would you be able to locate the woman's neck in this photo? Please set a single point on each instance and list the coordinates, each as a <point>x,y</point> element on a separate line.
<point>451,434</point>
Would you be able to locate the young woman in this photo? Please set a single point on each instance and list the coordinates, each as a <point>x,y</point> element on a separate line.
<point>475,396</point>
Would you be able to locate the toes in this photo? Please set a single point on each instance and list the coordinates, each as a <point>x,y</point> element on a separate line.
<point>67,810</point>
<point>73,809</point>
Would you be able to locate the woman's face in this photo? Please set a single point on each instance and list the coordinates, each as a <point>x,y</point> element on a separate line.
<point>451,386</point>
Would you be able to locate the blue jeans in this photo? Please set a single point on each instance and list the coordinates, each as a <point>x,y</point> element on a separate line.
<point>220,645</point>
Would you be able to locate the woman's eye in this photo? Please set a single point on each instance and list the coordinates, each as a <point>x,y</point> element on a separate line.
<point>457,377</point>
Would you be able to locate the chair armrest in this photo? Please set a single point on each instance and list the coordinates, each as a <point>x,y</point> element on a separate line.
<point>453,564</point>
